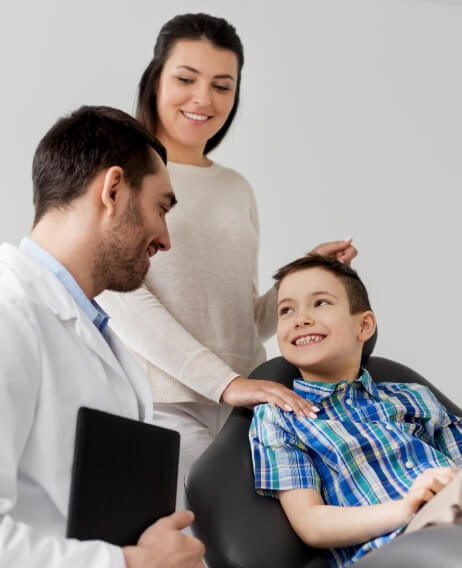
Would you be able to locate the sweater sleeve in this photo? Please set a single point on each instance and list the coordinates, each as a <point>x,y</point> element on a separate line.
<point>160,339</point>
<point>265,313</point>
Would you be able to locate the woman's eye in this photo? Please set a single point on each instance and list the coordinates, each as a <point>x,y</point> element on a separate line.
<point>185,80</point>
<point>222,88</point>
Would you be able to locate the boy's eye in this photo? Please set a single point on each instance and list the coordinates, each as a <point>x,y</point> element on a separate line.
<point>284,311</point>
<point>321,303</point>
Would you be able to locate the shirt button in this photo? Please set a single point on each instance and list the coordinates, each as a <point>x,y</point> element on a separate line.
<point>408,464</point>
<point>349,401</point>
<point>389,427</point>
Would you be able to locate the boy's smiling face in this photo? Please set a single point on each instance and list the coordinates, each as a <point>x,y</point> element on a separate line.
<point>316,331</point>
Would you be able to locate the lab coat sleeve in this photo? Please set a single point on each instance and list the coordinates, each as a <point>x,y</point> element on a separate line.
<point>23,546</point>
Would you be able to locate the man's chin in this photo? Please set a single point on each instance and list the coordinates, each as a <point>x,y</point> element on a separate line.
<point>129,285</point>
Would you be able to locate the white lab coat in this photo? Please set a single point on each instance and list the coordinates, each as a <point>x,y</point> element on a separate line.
<point>52,361</point>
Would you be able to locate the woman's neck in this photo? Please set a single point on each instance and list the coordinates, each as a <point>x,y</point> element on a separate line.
<point>192,155</point>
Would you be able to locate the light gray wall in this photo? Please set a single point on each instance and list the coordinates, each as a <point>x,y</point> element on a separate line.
<point>350,124</point>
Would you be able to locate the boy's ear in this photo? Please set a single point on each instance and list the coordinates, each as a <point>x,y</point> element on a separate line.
<point>367,325</point>
<point>112,188</point>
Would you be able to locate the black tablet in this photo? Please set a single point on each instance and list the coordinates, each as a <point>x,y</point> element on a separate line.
<point>124,477</point>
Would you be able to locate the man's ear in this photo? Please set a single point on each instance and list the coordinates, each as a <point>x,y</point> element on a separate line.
<point>367,325</point>
<point>112,189</point>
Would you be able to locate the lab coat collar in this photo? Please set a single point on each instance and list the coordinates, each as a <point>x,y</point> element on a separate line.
<point>49,290</point>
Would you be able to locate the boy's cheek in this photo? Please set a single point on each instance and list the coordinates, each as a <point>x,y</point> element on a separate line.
<point>280,334</point>
<point>284,347</point>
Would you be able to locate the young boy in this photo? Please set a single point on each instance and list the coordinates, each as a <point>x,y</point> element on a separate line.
<point>351,478</point>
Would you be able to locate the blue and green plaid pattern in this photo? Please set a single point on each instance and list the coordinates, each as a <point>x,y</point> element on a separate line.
<point>367,445</point>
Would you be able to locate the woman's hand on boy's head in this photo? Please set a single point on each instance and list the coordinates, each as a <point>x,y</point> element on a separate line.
<point>341,250</point>
<point>425,487</point>
<point>250,392</point>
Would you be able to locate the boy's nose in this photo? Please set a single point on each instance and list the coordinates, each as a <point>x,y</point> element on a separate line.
<point>303,321</point>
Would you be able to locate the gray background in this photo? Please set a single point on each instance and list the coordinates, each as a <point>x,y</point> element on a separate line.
<point>350,124</point>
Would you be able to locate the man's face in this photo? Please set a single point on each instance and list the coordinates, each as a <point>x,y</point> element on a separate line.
<point>124,252</point>
<point>316,331</point>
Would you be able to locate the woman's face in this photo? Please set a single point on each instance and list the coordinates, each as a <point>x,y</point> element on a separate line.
<point>195,95</point>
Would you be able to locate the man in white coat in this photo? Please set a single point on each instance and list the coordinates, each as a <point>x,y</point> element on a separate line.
<point>101,193</point>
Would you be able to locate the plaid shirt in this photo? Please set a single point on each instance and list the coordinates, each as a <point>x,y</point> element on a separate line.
<point>367,445</point>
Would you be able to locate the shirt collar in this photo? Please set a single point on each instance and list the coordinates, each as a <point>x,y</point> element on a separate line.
<point>318,391</point>
<point>91,308</point>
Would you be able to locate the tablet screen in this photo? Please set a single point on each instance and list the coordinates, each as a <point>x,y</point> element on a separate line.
<point>124,477</point>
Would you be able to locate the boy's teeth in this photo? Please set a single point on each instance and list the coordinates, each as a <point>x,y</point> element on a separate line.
<point>195,116</point>
<point>308,339</point>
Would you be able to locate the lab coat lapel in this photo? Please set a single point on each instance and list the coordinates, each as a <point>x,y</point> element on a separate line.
<point>116,356</point>
<point>92,337</point>
<point>137,377</point>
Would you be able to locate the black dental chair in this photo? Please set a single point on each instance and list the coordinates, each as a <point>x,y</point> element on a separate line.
<point>240,529</point>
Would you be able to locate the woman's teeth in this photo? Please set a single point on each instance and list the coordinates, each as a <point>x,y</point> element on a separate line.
<point>194,116</point>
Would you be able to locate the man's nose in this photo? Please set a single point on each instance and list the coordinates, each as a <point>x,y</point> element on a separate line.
<point>163,242</point>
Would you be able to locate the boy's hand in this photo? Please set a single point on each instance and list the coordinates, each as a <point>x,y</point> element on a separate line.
<point>250,392</point>
<point>341,250</point>
<point>425,487</point>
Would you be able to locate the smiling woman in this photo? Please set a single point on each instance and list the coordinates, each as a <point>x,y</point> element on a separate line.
<point>198,323</point>
<point>194,98</point>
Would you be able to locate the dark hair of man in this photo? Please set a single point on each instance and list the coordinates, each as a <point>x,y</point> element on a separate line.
<point>355,289</point>
<point>218,32</point>
<point>82,144</point>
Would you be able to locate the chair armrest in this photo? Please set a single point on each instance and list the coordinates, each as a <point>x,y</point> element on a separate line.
<point>428,548</point>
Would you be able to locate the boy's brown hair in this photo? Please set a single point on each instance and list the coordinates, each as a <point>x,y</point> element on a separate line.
<point>355,289</point>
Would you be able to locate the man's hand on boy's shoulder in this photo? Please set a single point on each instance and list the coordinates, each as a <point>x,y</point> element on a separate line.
<point>250,392</point>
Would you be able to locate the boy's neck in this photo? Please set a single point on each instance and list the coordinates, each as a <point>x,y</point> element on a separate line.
<point>330,376</point>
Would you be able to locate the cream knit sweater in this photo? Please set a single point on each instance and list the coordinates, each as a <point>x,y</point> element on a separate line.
<point>197,321</point>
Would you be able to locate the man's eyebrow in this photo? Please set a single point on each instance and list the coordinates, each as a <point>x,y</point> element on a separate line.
<point>219,76</point>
